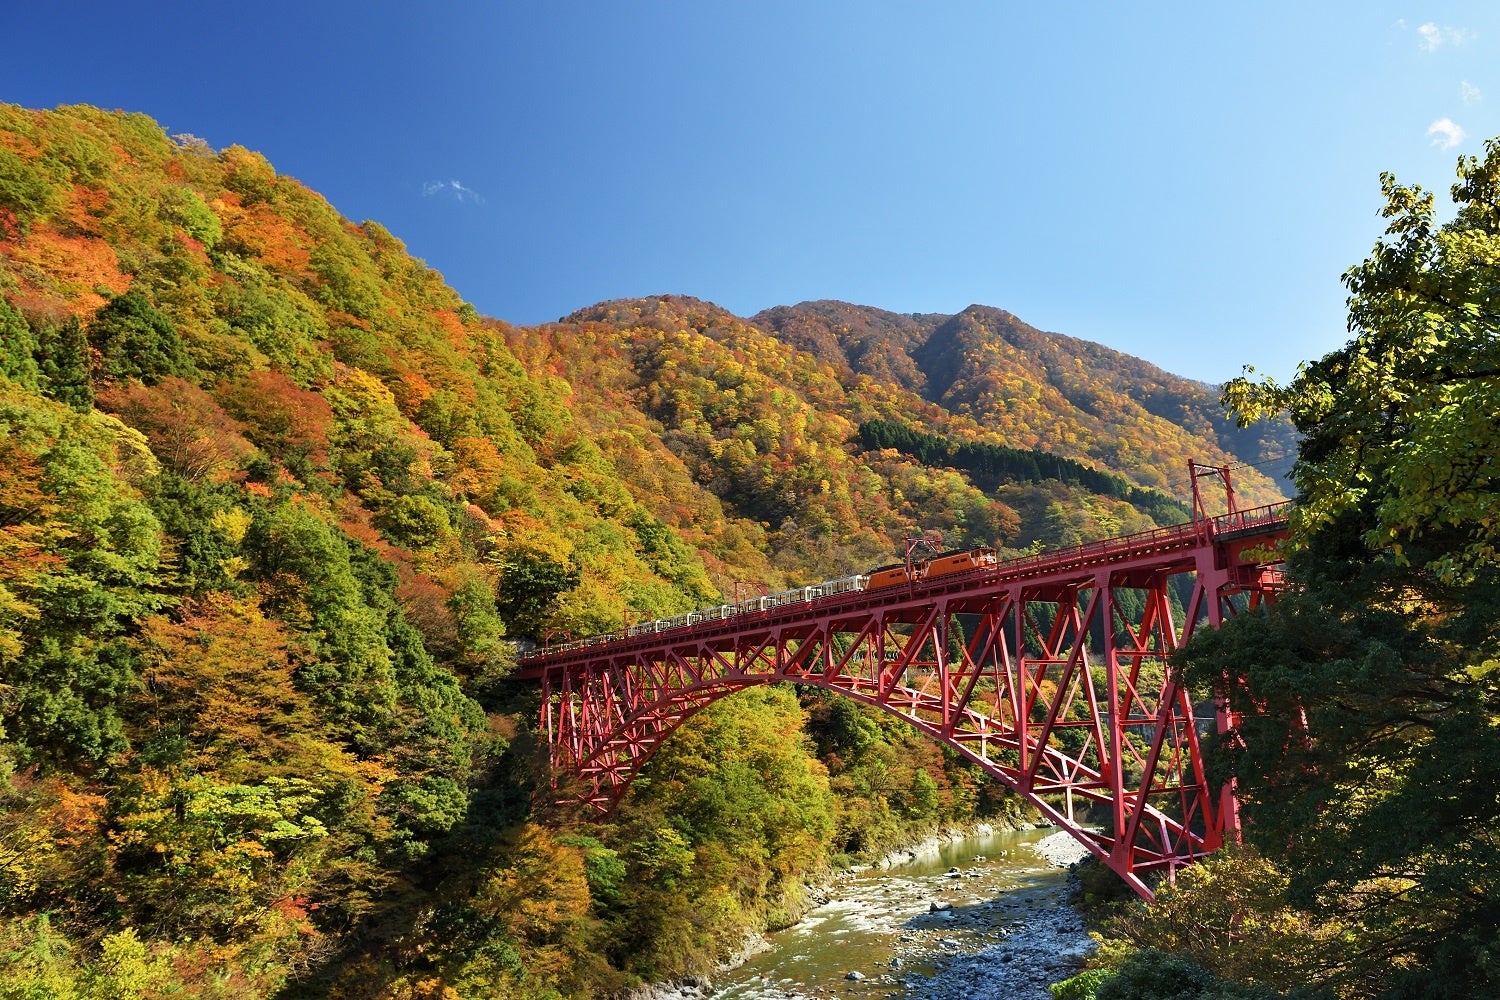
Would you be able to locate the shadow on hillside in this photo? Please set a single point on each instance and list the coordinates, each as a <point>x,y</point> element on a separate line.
<point>423,915</point>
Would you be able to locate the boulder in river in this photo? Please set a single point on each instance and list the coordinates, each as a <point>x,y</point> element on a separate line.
<point>938,907</point>
<point>856,976</point>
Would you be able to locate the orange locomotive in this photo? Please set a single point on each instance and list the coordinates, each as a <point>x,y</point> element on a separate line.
<point>942,564</point>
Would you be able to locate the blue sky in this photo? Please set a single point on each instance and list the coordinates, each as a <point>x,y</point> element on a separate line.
<point>1184,182</point>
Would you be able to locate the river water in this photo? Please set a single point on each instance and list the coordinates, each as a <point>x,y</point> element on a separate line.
<point>998,927</point>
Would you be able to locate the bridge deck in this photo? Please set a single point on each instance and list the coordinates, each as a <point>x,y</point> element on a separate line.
<point>1151,550</point>
<point>1050,672</point>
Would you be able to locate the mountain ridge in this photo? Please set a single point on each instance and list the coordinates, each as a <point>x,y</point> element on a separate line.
<point>939,355</point>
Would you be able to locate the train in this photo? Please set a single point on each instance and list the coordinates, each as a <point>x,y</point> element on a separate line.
<point>894,575</point>
<point>942,564</point>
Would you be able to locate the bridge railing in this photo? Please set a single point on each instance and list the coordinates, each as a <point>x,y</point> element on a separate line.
<point>719,612</point>
<point>1073,554</point>
<point>1223,526</point>
<point>1251,521</point>
<point>1254,520</point>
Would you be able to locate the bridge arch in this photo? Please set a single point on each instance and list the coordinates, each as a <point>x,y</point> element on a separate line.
<point>605,796</point>
<point>1050,673</point>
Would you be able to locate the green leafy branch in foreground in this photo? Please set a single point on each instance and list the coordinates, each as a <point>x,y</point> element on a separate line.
<point>1368,749</point>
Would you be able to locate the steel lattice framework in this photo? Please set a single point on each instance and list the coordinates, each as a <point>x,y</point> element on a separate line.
<point>1048,672</point>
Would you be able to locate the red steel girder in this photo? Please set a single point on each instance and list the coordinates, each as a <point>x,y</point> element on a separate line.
<point>1061,688</point>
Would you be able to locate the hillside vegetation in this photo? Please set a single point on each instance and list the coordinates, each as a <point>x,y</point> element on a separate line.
<point>1006,383</point>
<point>277,506</point>
<point>1366,745</point>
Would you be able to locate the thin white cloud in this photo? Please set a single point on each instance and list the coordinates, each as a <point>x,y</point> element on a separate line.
<point>1434,36</point>
<point>1445,133</point>
<point>454,189</point>
<point>1470,93</point>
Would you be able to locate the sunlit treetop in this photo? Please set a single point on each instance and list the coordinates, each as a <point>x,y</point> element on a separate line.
<point>1400,424</point>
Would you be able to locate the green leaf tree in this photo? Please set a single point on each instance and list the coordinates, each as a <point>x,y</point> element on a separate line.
<point>1370,746</point>
<point>530,584</point>
<point>63,360</point>
<point>17,348</point>
<point>136,340</point>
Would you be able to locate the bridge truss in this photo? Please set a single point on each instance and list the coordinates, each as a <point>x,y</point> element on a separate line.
<point>1049,672</point>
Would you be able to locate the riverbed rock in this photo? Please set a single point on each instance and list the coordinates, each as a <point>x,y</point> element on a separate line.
<point>1004,938</point>
<point>1060,849</point>
<point>1031,953</point>
<point>855,977</point>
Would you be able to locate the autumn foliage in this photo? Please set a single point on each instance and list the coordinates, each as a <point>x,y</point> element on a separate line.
<point>278,508</point>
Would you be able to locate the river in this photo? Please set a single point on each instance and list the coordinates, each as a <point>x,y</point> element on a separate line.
<point>999,926</point>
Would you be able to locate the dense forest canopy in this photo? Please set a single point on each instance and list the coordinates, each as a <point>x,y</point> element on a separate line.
<point>277,508</point>
<point>1367,751</point>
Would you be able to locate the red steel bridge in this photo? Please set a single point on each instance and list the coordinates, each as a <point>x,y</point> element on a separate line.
<point>1049,672</point>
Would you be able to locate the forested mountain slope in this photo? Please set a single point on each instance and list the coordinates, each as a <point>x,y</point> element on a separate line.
<point>1028,389</point>
<point>779,428</point>
<point>276,504</point>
